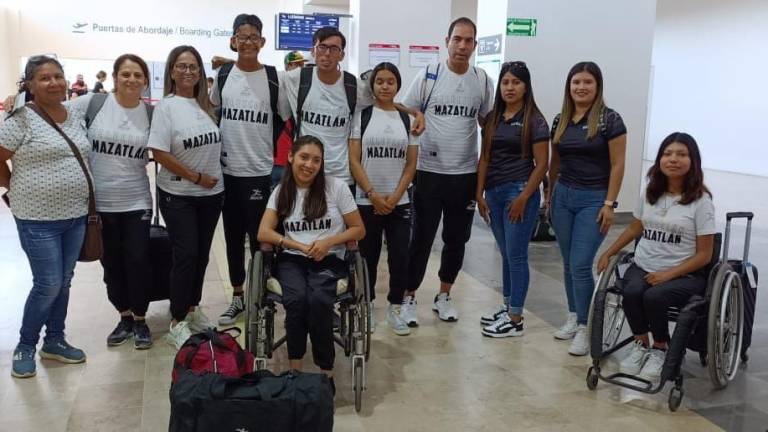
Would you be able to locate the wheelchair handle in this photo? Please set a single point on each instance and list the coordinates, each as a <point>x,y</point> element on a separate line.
<point>747,233</point>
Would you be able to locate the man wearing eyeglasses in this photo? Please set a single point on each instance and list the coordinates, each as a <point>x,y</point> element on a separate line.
<point>454,96</point>
<point>252,107</point>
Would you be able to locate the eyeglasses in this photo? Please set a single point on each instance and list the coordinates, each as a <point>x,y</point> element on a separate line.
<point>249,38</point>
<point>183,67</point>
<point>327,49</point>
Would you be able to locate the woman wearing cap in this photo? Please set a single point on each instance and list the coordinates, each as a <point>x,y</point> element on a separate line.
<point>185,140</point>
<point>513,162</point>
<point>586,170</point>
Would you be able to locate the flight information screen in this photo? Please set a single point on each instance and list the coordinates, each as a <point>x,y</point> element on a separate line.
<point>294,31</point>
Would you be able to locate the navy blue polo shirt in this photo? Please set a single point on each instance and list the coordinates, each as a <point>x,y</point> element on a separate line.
<point>507,163</point>
<point>584,163</point>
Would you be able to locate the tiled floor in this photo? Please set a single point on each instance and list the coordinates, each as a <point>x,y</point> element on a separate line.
<point>444,377</point>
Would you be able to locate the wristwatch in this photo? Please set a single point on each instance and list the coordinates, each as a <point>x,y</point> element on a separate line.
<point>611,204</point>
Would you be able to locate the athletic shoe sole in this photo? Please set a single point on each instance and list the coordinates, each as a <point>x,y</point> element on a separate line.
<point>449,319</point>
<point>578,354</point>
<point>564,337</point>
<point>26,375</point>
<point>114,344</point>
<point>142,347</point>
<point>60,358</point>
<point>502,335</point>
<point>228,321</point>
<point>412,324</point>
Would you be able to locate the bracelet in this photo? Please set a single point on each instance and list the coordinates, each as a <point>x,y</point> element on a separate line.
<point>369,193</point>
<point>199,177</point>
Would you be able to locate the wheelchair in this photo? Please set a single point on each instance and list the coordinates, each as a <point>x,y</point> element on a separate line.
<point>263,293</point>
<point>712,325</point>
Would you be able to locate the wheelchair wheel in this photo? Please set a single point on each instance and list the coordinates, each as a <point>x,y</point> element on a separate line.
<point>592,378</point>
<point>357,378</point>
<point>675,398</point>
<point>253,300</point>
<point>361,281</point>
<point>606,314</point>
<point>725,326</point>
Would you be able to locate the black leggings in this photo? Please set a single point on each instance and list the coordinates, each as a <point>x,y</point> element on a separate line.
<point>126,264</point>
<point>309,292</point>
<point>191,222</point>
<point>646,306</point>
<point>245,199</point>
<point>396,226</point>
<point>451,197</point>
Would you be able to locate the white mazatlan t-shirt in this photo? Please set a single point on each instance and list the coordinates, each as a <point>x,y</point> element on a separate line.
<point>118,156</point>
<point>246,122</point>
<point>384,147</point>
<point>181,127</point>
<point>670,230</point>
<point>297,228</point>
<point>326,116</point>
<point>449,143</point>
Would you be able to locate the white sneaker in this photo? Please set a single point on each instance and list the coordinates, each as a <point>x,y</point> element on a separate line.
<point>396,322</point>
<point>504,327</point>
<point>580,342</point>
<point>178,334</point>
<point>198,321</point>
<point>568,330</point>
<point>494,316</point>
<point>652,367</point>
<point>233,311</point>
<point>372,317</point>
<point>443,305</point>
<point>634,362</point>
<point>408,311</point>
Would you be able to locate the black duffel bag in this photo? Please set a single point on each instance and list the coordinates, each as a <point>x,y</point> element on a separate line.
<point>257,402</point>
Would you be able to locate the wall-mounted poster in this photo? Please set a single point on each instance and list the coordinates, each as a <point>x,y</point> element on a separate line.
<point>422,55</point>
<point>380,52</point>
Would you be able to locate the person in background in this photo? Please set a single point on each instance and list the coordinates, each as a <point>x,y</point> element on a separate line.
<point>383,162</point>
<point>79,87</point>
<point>585,172</point>
<point>675,221</point>
<point>48,194</point>
<point>185,140</point>
<point>101,76</point>
<point>513,162</point>
<point>209,82</point>
<point>293,60</point>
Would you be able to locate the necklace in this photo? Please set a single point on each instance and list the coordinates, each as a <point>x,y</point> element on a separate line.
<point>666,206</point>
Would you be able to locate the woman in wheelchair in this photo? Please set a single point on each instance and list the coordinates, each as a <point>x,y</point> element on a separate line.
<point>318,216</point>
<point>675,224</point>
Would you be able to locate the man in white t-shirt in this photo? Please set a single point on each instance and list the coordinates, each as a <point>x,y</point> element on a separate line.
<point>453,96</point>
<point>247,93</point>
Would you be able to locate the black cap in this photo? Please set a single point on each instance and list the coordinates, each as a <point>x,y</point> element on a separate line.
<point>244,19</point>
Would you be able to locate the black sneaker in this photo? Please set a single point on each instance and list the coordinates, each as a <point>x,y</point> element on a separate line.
<point>142,337</point>
<point>504,327</point>
<point>121,333</point>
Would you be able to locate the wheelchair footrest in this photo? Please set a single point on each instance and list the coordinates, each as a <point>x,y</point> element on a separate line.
<point>620,379</point>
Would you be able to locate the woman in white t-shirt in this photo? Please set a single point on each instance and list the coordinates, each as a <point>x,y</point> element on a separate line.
<point>318,216</point>
<point>185,140</point>
<point>382,158</point>
<point>118,132</point>
<point>675,220</point>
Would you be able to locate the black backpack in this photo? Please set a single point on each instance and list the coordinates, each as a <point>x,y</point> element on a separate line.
<point>305,83</point>
<point>97,102</point>
<point>274,88</point>
<point>365,118</point>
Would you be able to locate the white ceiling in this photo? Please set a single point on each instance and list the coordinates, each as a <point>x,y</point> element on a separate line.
<point>327,2</point>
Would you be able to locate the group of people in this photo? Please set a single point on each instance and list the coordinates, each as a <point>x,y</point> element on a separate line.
<point>358,166</point>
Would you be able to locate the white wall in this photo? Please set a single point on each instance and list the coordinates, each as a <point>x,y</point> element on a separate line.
<point>710,66</point>
<point>388,22</point>
<point>618,36</point>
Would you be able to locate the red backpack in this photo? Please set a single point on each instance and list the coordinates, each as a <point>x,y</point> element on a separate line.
<point>213,351</point>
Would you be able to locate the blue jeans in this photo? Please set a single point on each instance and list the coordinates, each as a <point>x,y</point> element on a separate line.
<point>574,219</point>
<point>513,239</point>
<point>52,248</point>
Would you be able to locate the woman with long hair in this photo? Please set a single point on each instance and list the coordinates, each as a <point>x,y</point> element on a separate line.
<point>185,140</point>
<point>318,216</point>
<point>382,158</point>
<point>586,169</point>
<point>512,164</point>
<point>48,195</point>
<point>675,221</point>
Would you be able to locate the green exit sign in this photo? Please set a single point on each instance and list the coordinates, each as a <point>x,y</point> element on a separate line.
<point>521,26</point>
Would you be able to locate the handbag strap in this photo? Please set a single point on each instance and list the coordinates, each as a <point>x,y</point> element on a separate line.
<point>44,115</point>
